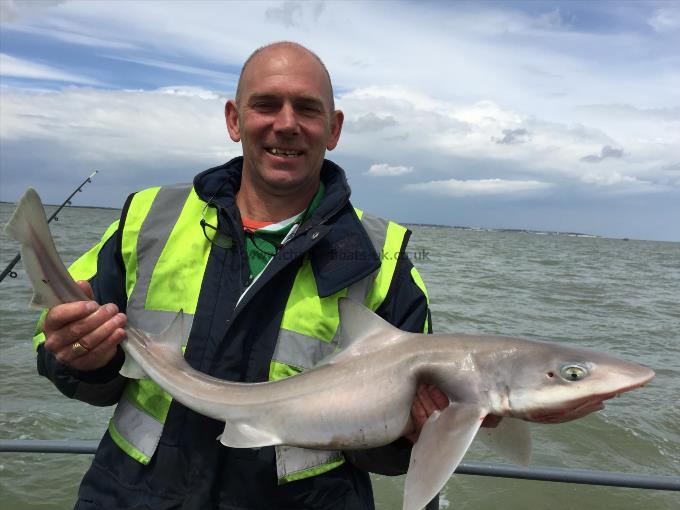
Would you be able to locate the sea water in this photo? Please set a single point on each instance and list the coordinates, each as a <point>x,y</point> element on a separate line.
<point>621,297</point>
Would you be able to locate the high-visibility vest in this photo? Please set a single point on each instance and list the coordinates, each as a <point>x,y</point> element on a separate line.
<point>165,255</point>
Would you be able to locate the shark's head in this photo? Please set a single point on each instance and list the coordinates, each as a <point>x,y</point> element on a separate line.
<point>557,384</point>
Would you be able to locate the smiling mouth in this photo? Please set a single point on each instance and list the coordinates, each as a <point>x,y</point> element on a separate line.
<point>286,153</point>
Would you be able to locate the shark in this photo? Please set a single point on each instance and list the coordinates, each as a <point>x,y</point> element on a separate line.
<point>361,397</point>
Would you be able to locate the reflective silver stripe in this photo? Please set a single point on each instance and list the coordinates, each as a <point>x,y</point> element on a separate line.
<point>138,428</point>
<point>291,460</point>
<point>376,228</point>
<point>305,352</point>
<point>300,350</point>
<point>154,233</point>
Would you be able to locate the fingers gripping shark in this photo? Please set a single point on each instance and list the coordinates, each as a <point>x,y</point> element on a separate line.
<point>361,397</point>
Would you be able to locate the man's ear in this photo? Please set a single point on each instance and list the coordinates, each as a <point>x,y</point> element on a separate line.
<point>336,129</point>
<point>231,116</point>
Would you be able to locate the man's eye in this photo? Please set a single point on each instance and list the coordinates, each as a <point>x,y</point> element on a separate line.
<point>264,105</point>
<point>309,109</point>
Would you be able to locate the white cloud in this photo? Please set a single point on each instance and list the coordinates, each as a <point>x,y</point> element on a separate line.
<point>451,50</point>
<point>13,67</point>
<point>12,10</point>
<point>483,187</point>
<point>610,179</point>
<point>469,93</point>
<point>614,182</point>
<point>440,128</point>
<point>666,19</point>
<point>453,139</point>
<point>444,135</point>
<point>188,91</point>
<point>294,13</point>
<point>370,122</point>
<point>385,170</point>
<point>171,123</point>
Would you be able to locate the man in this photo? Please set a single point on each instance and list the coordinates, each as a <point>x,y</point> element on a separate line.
<point>256,253</point>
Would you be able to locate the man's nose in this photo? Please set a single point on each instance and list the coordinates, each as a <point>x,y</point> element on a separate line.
<point>286,121</point>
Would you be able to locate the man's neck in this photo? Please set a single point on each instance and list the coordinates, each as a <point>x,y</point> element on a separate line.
<point>260,204</point>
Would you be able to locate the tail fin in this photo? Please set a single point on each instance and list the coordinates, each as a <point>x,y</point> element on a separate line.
<point>52,284</point>
<point>29,212</point>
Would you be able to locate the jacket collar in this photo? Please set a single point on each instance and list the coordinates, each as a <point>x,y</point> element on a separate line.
<point>341,252</point>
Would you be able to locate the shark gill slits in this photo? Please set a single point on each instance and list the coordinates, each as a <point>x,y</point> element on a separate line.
<point>573,372</point>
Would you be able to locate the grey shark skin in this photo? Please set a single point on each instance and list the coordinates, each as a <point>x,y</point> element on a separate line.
<point>361,397</point>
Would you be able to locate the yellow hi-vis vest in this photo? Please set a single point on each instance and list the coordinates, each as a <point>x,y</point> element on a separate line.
<point>165,255</point>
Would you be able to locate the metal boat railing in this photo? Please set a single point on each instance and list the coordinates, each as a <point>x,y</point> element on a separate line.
<point>545,474</point>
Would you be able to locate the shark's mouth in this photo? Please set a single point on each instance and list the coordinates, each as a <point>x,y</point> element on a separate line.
<point>573,411</point>
<point>576,408</point>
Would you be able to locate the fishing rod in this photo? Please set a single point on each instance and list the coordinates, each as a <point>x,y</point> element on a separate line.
<point>8,269</point>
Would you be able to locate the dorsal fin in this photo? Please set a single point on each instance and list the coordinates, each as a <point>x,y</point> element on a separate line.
<point>361,331</point>
<point>173,334</point>
<point>172,338</point>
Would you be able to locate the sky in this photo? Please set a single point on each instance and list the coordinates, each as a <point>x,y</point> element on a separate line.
<point>561,116</point>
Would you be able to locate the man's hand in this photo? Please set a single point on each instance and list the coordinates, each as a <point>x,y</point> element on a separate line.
<point>429,399</point>
<point>84,335</point>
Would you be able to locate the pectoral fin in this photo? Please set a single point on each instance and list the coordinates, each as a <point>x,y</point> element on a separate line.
<point>131,369</point>
<point>442,444</point>
<point>243,435</point>
<point>511,438</point>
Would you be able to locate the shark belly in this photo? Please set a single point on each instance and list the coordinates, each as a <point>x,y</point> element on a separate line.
<point>360,410</point>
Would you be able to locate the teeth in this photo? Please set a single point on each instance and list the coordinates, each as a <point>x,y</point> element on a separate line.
<point>282,152</point>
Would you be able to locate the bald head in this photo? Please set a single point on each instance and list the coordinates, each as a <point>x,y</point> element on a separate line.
<point>294,51</point>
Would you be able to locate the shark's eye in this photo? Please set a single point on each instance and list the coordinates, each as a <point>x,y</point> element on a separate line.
<point>573,372</point>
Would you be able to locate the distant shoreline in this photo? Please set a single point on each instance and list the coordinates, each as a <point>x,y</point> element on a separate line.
<point>512,230</point>
<point>457,227</point>
<point>74,206</point>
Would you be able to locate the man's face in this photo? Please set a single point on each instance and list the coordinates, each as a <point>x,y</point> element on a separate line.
<point>284,120</point>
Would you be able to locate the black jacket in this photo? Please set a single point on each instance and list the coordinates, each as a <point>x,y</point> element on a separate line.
<point>190,469</point>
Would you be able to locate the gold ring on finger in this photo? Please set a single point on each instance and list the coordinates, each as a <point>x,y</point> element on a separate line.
<point>79,349</point>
